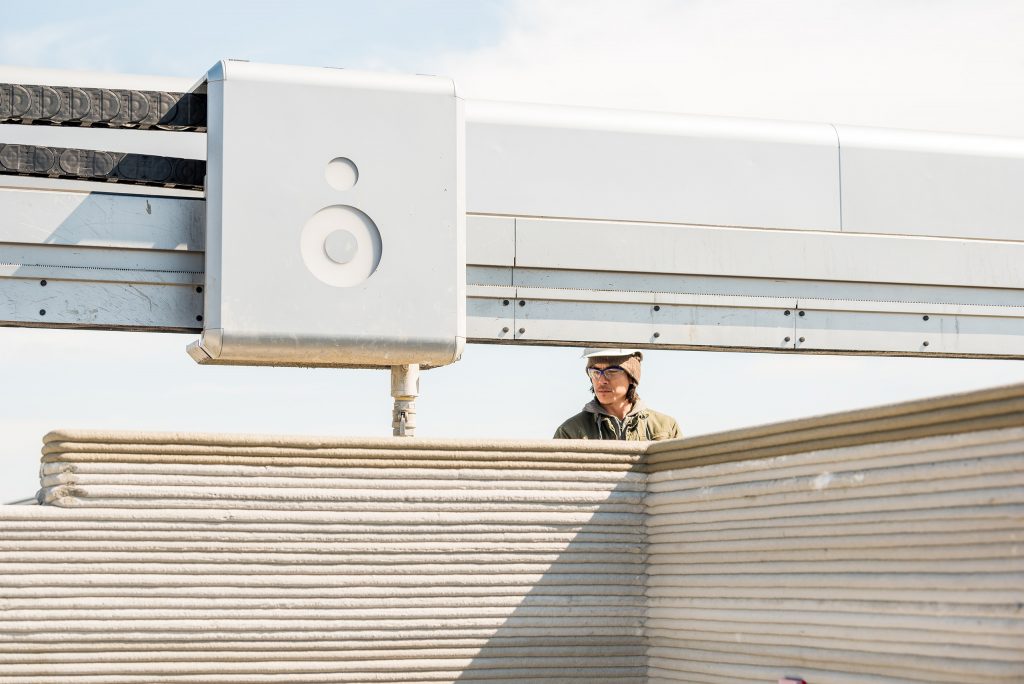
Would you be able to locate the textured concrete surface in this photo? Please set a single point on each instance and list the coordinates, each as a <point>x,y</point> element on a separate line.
<point>889,562</point>
<point>245,559</point>
<point>871,546</point>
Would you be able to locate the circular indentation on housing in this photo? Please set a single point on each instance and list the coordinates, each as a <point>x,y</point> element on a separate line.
<point>341,246</point>
<point>342,173</point>
<point>326,228</point>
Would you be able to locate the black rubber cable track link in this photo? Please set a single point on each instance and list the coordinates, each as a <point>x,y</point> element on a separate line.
<point>101,107</point>
<point>98,165</point>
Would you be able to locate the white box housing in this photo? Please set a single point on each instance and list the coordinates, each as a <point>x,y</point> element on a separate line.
<point>335,220</point>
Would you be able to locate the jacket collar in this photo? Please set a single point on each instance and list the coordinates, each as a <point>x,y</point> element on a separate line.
<point>594,406</point>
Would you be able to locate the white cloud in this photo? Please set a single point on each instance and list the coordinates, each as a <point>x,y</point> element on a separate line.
<point>930,65</point>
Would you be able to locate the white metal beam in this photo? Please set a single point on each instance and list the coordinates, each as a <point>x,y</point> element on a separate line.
<point>529,283</point>
<point>654,230</point>
<point>529,160</point>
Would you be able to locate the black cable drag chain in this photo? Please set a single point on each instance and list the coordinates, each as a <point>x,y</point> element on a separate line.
<point>98,165</point>
<point>101,107</point>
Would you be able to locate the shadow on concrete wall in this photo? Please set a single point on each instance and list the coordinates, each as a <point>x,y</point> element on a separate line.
<point>583,620</point>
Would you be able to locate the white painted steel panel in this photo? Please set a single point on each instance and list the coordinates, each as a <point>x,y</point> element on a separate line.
<point>819,293</point>
<point>948,334</point>
<point>917,183</point>
<point>84,186</point>
<point>100,263</point>
<point>554,319</point>
<point>97,304</point>
<point>109,260</point>
<point>496,276</point>
<point>317,269</point>
<point>697,310</point>
<point>96,219</point>
<point>531,160</point>
<point>491,240</point>
<point>490,314</point>
<point>753,253</point>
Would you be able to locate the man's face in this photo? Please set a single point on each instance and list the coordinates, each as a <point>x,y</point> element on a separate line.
<point>609,387</point>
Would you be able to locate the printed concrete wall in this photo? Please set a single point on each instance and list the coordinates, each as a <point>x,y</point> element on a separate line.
<point>184,558</point>
<point>867,547</point>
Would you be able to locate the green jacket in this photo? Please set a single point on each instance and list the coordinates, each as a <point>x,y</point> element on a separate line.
<point>640,424</point>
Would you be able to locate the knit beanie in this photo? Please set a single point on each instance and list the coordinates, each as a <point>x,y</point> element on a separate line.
<point>630,364</point>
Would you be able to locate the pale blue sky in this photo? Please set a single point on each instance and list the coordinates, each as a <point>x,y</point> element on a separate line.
<point>933,65</point>
<point>187,37</point>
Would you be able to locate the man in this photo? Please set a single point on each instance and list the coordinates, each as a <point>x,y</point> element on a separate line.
<point>616,412</point>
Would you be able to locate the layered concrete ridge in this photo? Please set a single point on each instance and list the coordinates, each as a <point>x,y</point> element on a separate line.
<point>171,558</point>
<point>871,546</point>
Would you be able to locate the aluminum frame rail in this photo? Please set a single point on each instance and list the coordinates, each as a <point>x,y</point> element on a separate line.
<point>607,227</point>
<point>133,260</point>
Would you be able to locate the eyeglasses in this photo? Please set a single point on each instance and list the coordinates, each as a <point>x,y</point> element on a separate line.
<point>609,373</point>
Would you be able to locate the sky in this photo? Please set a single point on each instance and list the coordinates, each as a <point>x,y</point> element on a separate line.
<point>921,64</point>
